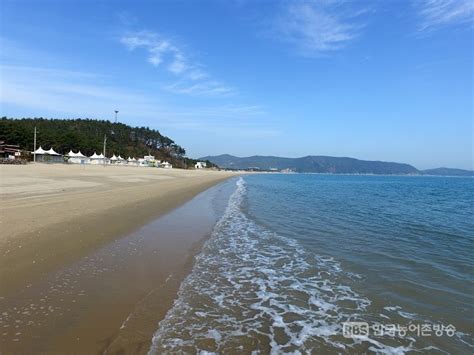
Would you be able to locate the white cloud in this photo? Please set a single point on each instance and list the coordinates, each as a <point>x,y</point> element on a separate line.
<point>156,47</point>
<point>203,88</point>
<point>440,13</point>
<point>193,79</point>
<point>61,93</point>
<point>317,27</point>
<point>178,65</point>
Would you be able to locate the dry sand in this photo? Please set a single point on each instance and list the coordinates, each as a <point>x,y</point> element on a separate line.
<point>54,215</point>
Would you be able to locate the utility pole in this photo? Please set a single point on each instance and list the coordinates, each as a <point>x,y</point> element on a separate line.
<point>34,147</point>
<point>116,111</point>
<point>105,143</point>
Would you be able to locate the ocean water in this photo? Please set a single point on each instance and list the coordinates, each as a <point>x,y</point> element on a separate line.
<point>296,259</point>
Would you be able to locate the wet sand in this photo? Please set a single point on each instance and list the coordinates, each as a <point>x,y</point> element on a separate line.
<point>69,279</point>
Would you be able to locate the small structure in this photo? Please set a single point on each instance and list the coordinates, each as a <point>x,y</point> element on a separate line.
<point>97,159</point>
<point>132,161</point>
<point>121,161</point>
<point>200,165</point>
<point>142,162</point>
<point>151,161</point>
<point>166,165</point>
<point>9,151</point>
<point>47,156</point>
<point>113,160</point>
<point>77,158</point>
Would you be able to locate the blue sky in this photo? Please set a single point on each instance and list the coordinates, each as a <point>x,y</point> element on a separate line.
<point>381,80</point>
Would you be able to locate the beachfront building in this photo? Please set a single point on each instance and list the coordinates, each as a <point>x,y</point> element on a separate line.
<point>150,159</point>
<point>9,151</point>
<point>200,165</point>
<point>77,158</point>
<point>47,156</point>
<point>142,162</point>
<point>97,159</point>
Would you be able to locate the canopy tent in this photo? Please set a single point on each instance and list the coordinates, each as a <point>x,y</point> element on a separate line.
<point>39,151</point>
<point>77,158</point>
<point>96,159</point>
<point>52,152</point>
<point>132,161</point>
<point>121,161</point>
<point>47,156</point>
<point>71,154</point>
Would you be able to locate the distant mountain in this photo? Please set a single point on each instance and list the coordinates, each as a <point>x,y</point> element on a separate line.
<point>312,164</point>
<point>448,172</point>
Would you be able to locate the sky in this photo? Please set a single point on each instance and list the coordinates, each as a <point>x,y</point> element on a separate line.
<point>377,80</point>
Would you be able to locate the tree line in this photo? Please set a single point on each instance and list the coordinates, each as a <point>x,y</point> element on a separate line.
<point>87,135</point>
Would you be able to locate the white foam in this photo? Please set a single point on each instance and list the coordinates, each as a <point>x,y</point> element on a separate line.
<point>251,283</point>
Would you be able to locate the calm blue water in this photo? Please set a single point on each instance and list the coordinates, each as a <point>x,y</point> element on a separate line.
<point>296,256</point>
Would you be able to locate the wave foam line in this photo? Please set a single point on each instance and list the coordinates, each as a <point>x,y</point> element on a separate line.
<point>252,289</point>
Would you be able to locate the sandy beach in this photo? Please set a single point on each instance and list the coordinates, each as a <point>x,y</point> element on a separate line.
<point>53,216</point>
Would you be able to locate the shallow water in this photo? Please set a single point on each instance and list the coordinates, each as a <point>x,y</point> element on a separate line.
<point>295,257</point>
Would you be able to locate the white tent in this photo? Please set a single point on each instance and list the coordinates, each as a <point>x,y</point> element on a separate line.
<point>77,158</point>
<point>121,160</point>
<point>49,156</point>
<point>52,152</point>
<point>96,159</point>
<point>39,151</point>
<point>132,161</point>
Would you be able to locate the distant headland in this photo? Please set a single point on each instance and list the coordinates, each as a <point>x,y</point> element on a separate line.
<point>327,164</point>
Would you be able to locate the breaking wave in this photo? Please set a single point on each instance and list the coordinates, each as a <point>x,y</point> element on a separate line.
<point>252,290</point>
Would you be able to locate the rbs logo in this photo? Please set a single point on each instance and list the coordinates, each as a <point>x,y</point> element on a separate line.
<point>355,329</point>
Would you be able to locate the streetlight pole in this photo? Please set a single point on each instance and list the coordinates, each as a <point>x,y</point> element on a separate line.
<point>34,147</point>
<point>105,143</point>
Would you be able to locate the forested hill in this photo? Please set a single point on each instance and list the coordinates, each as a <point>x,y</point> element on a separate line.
<point>312,164</point>
<point>87,135</point>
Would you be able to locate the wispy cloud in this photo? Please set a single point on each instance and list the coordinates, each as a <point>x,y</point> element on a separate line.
<point>205,88</point>
<point>317,27</point>
<point>441,13</point>
<point>193,80</point>
<point>50,92</point>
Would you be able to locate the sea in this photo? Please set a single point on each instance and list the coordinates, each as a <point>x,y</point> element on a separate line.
<point>310,263</point>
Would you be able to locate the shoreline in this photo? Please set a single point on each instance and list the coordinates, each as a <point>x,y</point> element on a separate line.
<point>30,271</point>
<point>52,215</point>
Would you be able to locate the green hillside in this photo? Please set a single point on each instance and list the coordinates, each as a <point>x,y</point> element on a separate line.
<point>313,164</point>
<point>87,135</point>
